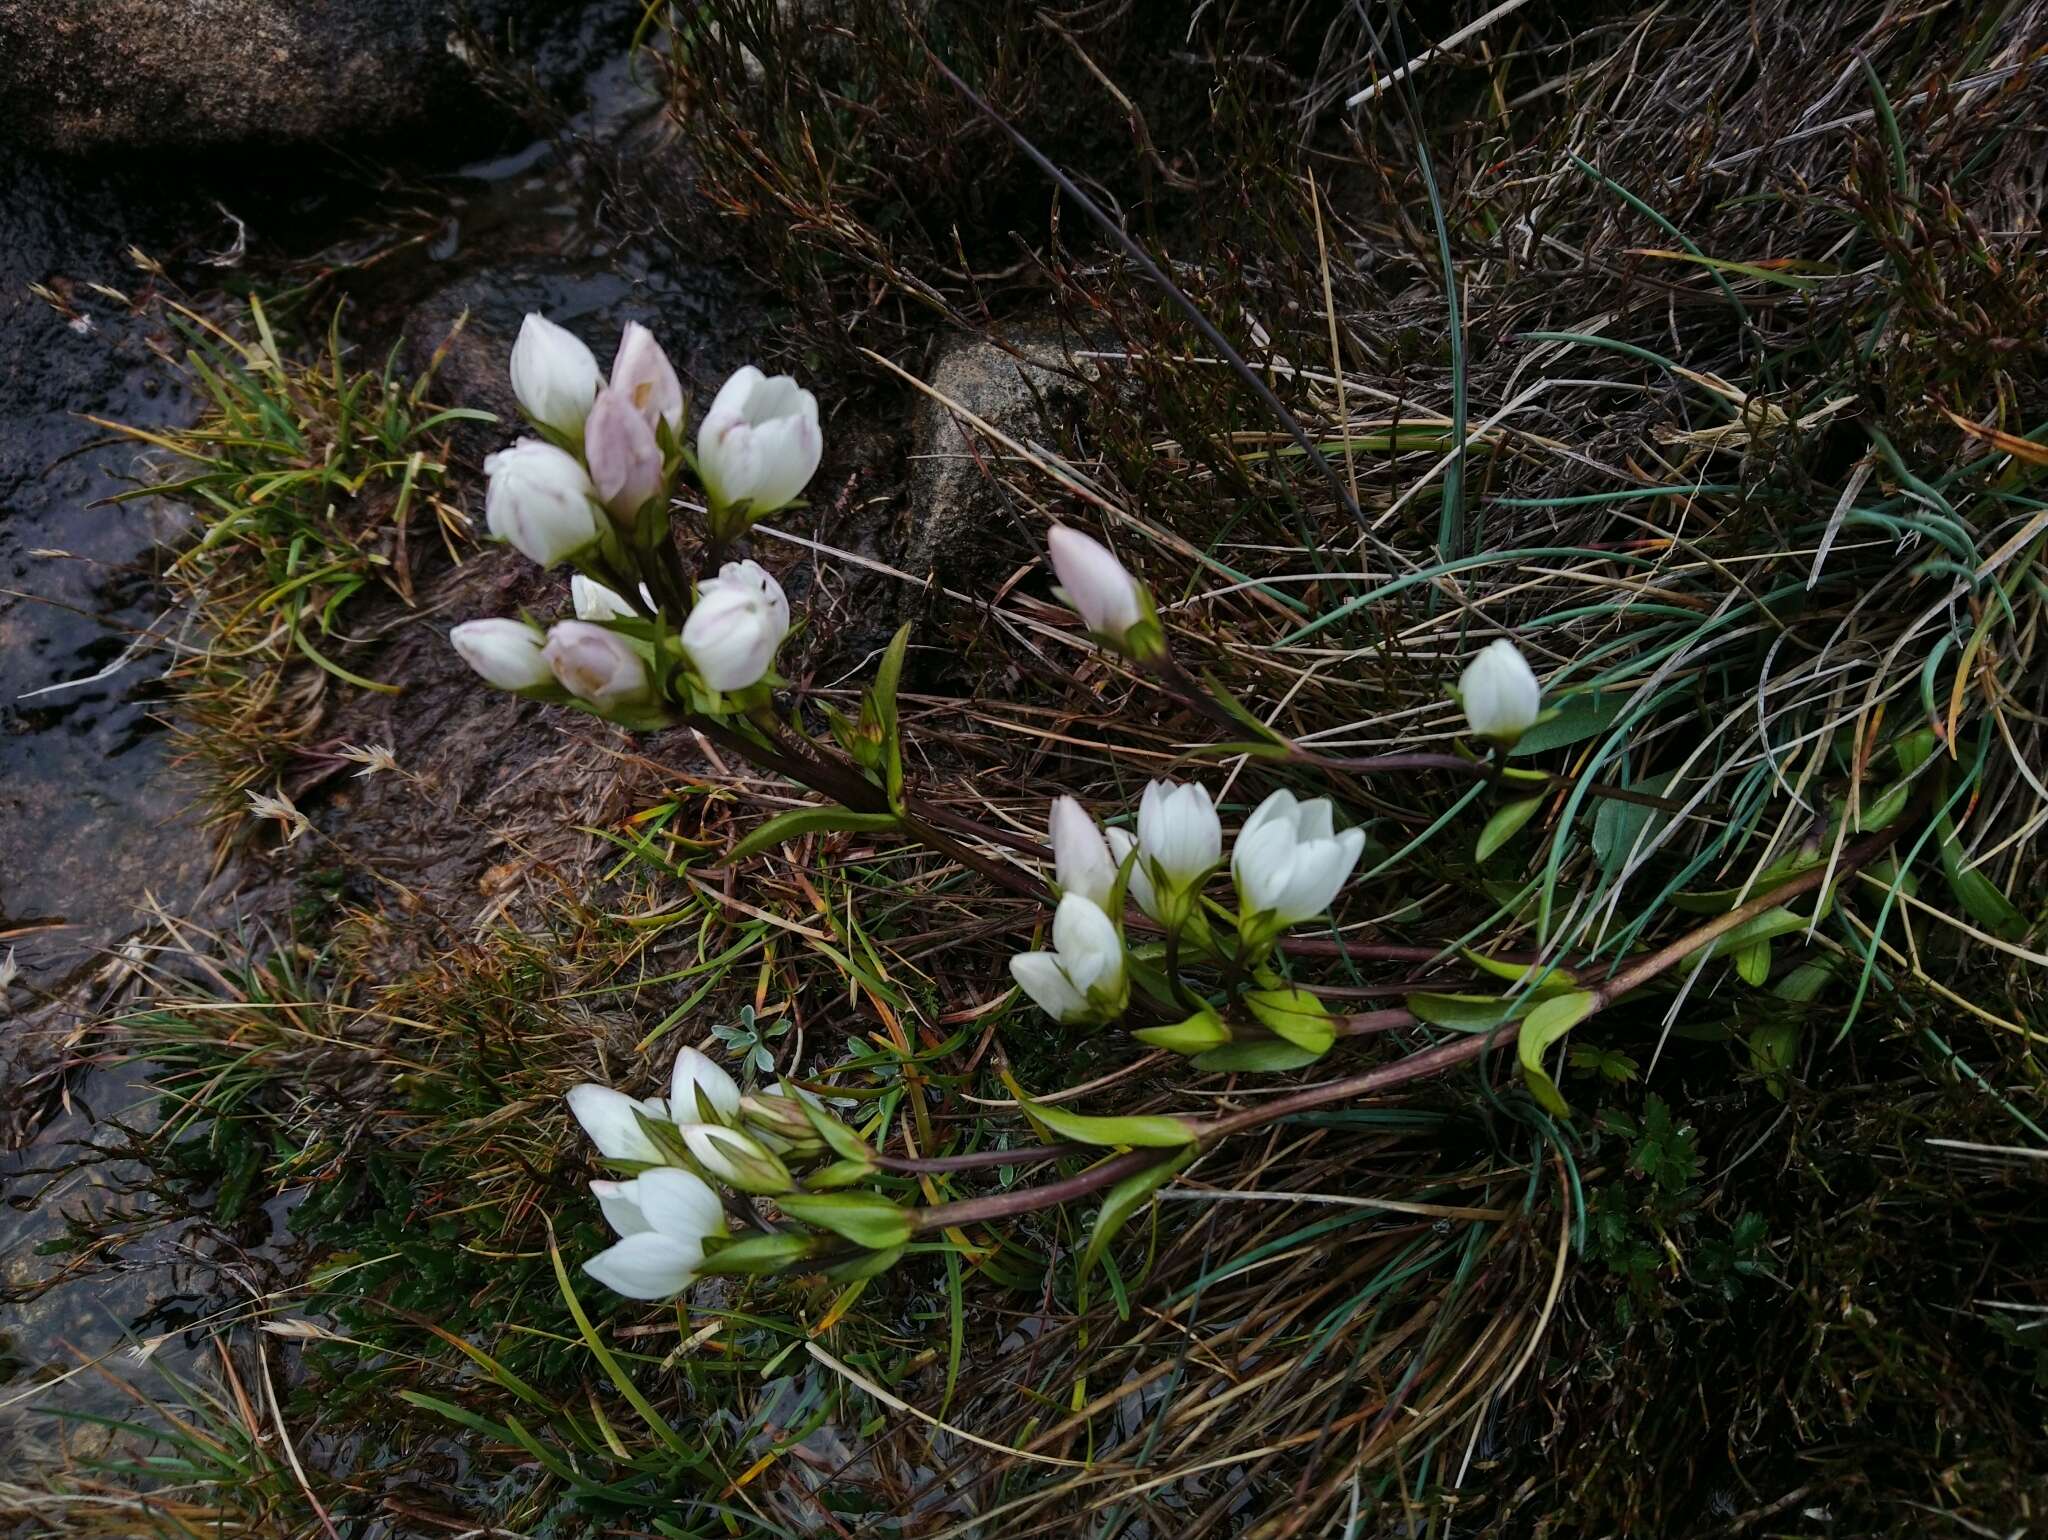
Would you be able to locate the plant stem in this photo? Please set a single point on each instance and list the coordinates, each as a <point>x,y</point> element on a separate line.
<point>1416,1066</point>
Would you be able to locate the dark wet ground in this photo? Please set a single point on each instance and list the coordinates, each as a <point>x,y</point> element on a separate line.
<point>93,816</point>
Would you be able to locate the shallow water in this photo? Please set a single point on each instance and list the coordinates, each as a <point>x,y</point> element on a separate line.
<point>92,814</point>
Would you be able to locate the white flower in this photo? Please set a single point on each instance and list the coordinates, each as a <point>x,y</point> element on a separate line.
<point>1500,693</point>
<point>596,665</point>
<point>642,374</point>
<point>594,601</point>
<point>1289,862</point>
<point>1082,977</point>
<point>553,375</point>
<point>736,1158</point>
<point>759,442</point>
<point>608,1116</point>
<point>1179,832</point>
<point>695,1072</point>
<point>1121,842</point>
<point>1094,582</point>
<point>663,1219</point>
<point>1081,858</point>
<point>506,652</point>
<point>540,500</point>
<point>625,461</point>
<point>740,618</point>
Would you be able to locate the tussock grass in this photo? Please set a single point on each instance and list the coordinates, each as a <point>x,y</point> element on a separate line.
<point>309,481</point>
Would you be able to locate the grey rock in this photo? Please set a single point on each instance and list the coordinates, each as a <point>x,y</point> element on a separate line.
<point>80,75</point>
<point>1020,389</point>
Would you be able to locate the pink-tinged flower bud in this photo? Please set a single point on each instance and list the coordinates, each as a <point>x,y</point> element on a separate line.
<point>740,618</point>
<point>597,666</point>
<point>1095,583</point>
<point>553,375</point>
<point>643,375</point>
<point>540,501</point>
<point>625,462</point>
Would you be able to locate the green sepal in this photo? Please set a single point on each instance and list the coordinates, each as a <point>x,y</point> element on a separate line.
<point>841,1173</point>
<point>843,1141</point>
<point>758,1255</point>
<point>666,1136</point>
<point>865,1218</point>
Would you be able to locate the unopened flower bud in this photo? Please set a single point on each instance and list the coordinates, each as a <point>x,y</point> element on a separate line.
<point>759,444</point>
<point>540,501</point>
<point>507,653</point>
<point>625,461</point>
<point>1500,694</point>
<point>597,666</point>
<point>554,376</point>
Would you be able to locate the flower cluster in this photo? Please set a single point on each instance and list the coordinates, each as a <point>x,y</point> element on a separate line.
<point>679,1149</point>
<point>1287,865</point>
<point>595,488</point>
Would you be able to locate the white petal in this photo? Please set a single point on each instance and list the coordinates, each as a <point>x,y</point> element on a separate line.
<point>608,1116</point>
<point>679,1205</point>
<point>696,1071</point>
<point>1280,806</point>
<point>1263,865</point>
<point>1080,855</point>
<point>1139,887</point>
<point>647,1266</point>
<point>620,1204</point>
<point>1085,939</point>
<point>1038,975</point>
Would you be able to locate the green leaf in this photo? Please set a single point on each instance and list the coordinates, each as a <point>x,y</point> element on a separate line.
<point>887,678</point>
<point>1259,1058</point>
<point>1461,1013</point>
<point>1619,826</point>
<point>1515,973</point>
<point>1977,893</point>
<point>1125,1200</point>
<point>1753,962</point>
<point>1504,825</point>
<point>1155,1131</point>
<point>844,1142</point>
<point>1579,717</point>
<point>1295,1015</point>
<point>870,1265</point>
<point>1806,981</point>
<point>656,1423</point>
<point>865,1218</point>
<point>1198,1034</point>
<point>800,821</point>
<point>1548,1022</point>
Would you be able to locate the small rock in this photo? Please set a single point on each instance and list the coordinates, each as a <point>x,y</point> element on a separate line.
<point>1010,387</point>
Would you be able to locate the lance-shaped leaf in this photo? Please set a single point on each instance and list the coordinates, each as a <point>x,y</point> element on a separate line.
<point>1543,1026</point>
<point>1144,1131</point>
<point>867,1265</point>
<point>1504,825</point>
<point>887,678</point>
<point>1294,1015</point>
<point>800,821</point>
<point>865,1218</point>
<point>1126,1199</point>
<point>1257,1058</point>
<point>1515,973</point>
